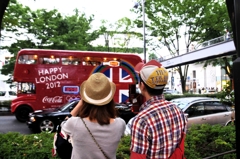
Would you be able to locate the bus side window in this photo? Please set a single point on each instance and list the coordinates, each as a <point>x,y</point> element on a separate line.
<point>95,63</point>
<point>91,61</point>
<point>86,63</point>
<point>70,60</point>
<point>27,59</point>
<point>41,60</point>
<point>49,60</point>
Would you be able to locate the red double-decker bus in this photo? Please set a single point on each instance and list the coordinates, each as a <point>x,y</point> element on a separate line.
<point>50,78</point>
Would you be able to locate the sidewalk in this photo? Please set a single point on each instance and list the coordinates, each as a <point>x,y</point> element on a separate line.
<point>5,111</point>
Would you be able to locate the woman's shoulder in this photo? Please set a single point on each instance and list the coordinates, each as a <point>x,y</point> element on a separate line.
<point>120,120</point>
<point>74,118</point>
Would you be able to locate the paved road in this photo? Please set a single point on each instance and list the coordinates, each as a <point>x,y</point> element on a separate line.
<point>8,123</point>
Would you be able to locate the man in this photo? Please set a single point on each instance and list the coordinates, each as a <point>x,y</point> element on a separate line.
<point>159,127</point>
<point>228,36</point>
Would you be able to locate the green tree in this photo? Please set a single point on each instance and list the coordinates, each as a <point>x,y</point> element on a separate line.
<point>119,35</point>
<point>153,56</point>
<point>50,30</point>
<point>12,23</point>
<point>3,7</point>
<point>13,14</point>
<point>171,22</point>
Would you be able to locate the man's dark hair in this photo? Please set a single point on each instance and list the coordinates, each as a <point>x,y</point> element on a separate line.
<point>151,91</point>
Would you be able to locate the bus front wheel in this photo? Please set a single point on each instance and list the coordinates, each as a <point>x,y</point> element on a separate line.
<point>22,113</point>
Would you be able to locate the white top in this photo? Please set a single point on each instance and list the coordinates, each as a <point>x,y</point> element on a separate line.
<point>84,147</point>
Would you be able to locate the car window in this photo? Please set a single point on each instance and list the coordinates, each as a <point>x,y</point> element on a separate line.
<point>2,93</point>
<point>196,109</point>
<point>214,107</point>
<point>12,93</point>
<point>179,104</point>
<point>66,107</point>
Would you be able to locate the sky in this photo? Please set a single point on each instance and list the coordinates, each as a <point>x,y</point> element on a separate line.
<point>110,10</point>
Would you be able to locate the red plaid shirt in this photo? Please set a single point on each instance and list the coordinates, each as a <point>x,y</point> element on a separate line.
<point>156,130</point>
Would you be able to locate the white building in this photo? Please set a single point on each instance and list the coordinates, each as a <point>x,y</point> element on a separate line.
<point>209,77</point>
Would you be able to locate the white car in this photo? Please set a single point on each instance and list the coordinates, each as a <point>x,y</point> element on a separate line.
<point>201,110</point>
<point>6,95</point>
<point>204,110</point>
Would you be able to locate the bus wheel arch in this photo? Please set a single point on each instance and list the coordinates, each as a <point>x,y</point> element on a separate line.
<point>22,112</point>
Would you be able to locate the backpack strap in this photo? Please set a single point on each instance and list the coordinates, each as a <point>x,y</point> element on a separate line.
<point>178,153</point>
<point>94,139</point>
<point>54,149</point>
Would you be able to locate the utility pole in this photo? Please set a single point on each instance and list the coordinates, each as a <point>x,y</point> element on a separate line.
<point>144,36</point>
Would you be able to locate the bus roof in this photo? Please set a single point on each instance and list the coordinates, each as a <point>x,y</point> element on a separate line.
<point>73,51</point>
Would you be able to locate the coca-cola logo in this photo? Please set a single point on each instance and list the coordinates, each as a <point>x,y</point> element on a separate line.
<point>56,99</point>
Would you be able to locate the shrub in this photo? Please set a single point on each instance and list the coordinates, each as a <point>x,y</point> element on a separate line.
<point>19,146</point>
<point>201,141</point>
<point>206,140</point>
<point>170,97</point>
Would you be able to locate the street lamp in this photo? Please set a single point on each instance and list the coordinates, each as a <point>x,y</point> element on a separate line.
<point>144,37</point>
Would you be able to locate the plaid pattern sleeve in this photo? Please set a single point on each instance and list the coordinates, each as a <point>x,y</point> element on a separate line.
<point>139,136</point>
<point>156,130</point>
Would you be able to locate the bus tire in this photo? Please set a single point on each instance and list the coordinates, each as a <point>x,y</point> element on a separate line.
<point>22,113</point>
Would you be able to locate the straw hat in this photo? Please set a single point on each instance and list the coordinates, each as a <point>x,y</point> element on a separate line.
<point>97,90</point>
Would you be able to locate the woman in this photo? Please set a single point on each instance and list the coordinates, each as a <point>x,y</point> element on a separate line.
<point>97,110</point>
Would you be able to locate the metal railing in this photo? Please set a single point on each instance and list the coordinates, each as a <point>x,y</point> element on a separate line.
<point>199,46</point>
<point>220,154</point>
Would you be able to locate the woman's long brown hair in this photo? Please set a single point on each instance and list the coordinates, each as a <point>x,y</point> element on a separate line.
<point>100,113</point>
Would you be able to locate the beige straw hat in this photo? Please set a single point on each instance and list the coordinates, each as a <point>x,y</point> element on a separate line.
<point>97,90</point>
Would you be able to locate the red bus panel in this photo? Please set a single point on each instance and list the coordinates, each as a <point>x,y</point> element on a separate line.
<point>50,78</point>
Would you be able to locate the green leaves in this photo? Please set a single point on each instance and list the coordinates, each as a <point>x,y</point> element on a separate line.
<point>46,29</point>
<point>207,140</point>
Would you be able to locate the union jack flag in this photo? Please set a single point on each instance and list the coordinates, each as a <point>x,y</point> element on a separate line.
<point>122,79</point>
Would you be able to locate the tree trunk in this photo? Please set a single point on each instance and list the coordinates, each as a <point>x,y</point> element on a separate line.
<point>183,77</point>
<point>183,84</point>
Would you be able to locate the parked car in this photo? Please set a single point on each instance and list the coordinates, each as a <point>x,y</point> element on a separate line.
<point>7,95</point>
<point>202,110</point>
<point>47,120</point>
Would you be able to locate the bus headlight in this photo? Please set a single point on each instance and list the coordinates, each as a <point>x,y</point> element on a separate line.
<point>32,119</point>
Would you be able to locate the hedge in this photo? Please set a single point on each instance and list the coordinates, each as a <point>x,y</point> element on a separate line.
<point>201,141</point>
